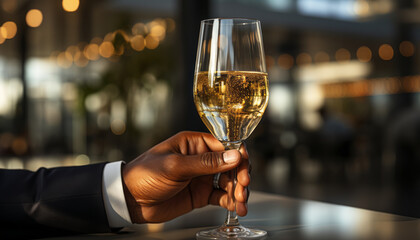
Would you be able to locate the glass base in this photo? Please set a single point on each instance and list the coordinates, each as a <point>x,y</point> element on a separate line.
<point>231,232</point>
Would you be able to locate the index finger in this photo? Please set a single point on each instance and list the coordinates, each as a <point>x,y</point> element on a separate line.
<point>192,143</point>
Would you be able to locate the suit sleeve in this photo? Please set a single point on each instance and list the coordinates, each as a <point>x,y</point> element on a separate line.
<point>51,201</point>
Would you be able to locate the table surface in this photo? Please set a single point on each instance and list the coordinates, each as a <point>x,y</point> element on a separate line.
<point>283,218</point>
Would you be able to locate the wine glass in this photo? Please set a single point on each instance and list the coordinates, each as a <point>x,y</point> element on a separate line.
<point>231,94</point>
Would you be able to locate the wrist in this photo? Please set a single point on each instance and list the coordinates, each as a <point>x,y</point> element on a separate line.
<point>134,209</point>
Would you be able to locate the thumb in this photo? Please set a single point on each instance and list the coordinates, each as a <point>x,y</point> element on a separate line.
<point>210,163</point>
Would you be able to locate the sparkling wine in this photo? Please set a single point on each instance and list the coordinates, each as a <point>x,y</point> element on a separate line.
<point>231,103</point>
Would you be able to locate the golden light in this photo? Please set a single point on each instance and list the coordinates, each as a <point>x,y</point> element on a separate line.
<point>342,54</point>
<point>407,48</point>
<point>321,57</point>
<point>386,52</point>
<point>81,46</point>
<point>2,39</point>
<point>64,60</point>
<point>72,50</point>
<point>151,42</point>
<point>155,227</point>
<point>11,29</point>
<point>361,8</point>
<point>285,61</point>
<point>70,5</point>
<point>91,51</point>
<point>118,127</point>
<point>69,56</point>
<point>106,49</point>
<point>80,60</point>
<point>96,40</point>
<point>158,31</point>
<point>19,145</point>
<point>3,34</point>
<point>109,37</point>
<point>34,18</point>
<point>137,43</point>
<point>303,59</point>
<point>161,22</point>
<point>364,54</point>
<point>139,29</point>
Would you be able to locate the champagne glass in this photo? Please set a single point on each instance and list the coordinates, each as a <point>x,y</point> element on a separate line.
<point>231,94</point>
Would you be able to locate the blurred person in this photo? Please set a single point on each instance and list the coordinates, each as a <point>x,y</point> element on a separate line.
<point>335,138</point>
<point>404,141</point>
<point>169,180</point>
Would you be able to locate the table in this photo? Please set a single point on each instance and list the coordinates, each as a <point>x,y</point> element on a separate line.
<point>283,218</point>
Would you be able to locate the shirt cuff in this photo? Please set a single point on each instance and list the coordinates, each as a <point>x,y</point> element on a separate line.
<point>113,195</point>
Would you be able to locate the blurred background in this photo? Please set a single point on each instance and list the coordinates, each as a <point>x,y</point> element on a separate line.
<point>104,80</point>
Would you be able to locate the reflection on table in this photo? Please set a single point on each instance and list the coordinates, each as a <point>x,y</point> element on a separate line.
<point>283,218</point>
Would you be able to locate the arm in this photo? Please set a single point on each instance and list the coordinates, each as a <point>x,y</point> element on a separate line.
<point>167,181</point>
<point>53,200</point>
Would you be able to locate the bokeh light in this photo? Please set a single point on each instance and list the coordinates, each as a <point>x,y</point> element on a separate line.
<point>64,60</point>
<point>137,43</point>
<point>285,61</point>
<point>407,48</point>
<point>80,60</point>
<point>303,59</point>
<point>72,50</point>
<point>34,18</point>
<point>151,42</point>
<point>386,52</point>
<point>158,31</point>
<point>70,5</point>
<point>3,34</point>
<point>269,61</point>
<point>321,57</point>
<point>364,54</point>
<point>109,37</point>
<point>10,29</point>
<point>118,127</point>
<point>342,54</point>
<point>96,40</point>
<point>91,51</point>
<point>106,49</point>
<point>361,8</point>
<point>139,29</point>
<point>19,146</point>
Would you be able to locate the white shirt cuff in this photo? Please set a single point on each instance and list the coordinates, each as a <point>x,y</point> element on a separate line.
<point>113,195</point>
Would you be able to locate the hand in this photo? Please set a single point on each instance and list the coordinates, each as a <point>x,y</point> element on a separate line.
<point>176,176</point>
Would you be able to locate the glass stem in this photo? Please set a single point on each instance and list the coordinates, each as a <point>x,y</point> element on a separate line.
<point>232,218</point>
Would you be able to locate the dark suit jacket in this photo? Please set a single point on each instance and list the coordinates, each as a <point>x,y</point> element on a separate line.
<point>52,202</point>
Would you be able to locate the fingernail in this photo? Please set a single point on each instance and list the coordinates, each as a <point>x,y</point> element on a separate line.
<point>230,156</point>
